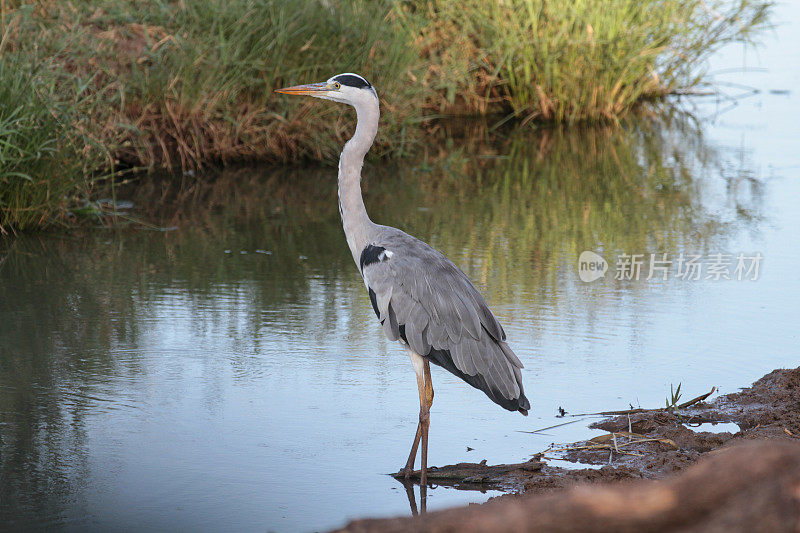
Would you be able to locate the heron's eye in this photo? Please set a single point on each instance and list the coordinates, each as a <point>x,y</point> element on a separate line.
<point>337,85</point>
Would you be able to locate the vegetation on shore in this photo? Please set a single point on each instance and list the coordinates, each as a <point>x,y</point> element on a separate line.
<point>568,61</point>
<point>90,87</point>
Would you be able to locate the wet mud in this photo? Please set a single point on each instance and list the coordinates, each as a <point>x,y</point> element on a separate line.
<point>654,444</point>
<point>650,443</point>
<point>752,486</point>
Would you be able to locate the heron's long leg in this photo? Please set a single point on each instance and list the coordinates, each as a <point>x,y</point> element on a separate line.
<point>424,420</point>
<point>413,455</point>
<point>426,402</point>
<point>428,384</point>
<point>425,384</point>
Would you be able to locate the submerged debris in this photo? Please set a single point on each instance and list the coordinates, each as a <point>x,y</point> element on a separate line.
<point>496,476</point>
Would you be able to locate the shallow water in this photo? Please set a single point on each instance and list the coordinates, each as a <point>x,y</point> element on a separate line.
<point>230,374</point>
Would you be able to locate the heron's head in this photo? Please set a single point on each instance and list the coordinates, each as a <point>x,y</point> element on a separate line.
<point>347,88</point>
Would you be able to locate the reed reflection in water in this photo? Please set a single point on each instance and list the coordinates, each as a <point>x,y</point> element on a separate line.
<point>227,374</point>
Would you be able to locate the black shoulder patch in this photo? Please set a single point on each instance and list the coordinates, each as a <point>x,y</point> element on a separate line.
<point>369,255</point>
<point>351,80</point>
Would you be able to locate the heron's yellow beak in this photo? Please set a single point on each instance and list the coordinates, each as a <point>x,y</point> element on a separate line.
<point>312,89</point>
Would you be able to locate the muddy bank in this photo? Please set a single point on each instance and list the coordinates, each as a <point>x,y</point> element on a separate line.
<point>730,471</point>
<point>751,487</point>
<point>667,442</point>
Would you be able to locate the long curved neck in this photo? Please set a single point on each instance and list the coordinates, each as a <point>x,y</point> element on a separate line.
<point>357,225</point>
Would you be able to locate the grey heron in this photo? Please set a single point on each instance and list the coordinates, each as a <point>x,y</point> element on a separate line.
<point>420,297</point>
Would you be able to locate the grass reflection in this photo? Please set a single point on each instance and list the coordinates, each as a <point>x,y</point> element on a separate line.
<point>513,208</point>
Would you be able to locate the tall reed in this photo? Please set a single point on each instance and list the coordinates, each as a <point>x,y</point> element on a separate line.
<point>577,60</point>
<point>96,85</point>
<point>45,163</point>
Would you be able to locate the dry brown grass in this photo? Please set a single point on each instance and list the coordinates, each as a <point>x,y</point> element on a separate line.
<point>186,84</point>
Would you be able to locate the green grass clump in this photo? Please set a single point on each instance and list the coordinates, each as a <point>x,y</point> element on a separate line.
<point>44,162</point>
<point>172,83</point>
<point>578,60</point>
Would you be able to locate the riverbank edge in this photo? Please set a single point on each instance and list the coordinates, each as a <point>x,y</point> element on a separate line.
<point>186,86</point>
<point>640,449</point>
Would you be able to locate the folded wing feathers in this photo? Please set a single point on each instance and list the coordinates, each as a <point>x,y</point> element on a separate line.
<point>415,326</point>
<point>511,356</point>
<point>438,306</point>
<point>390,326</point>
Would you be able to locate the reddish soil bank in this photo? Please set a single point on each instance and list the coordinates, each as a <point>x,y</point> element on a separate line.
<point>729,482</point>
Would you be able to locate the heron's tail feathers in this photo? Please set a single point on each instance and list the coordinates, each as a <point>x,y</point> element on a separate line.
<point>524,404</point>
<point>501,381</point>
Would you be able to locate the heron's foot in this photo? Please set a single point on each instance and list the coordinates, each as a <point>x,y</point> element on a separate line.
<point>405,473</point>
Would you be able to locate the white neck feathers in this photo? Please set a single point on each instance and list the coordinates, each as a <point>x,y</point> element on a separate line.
<point>357,225</point>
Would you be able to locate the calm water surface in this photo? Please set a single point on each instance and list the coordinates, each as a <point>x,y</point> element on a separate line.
<point>230,374</point>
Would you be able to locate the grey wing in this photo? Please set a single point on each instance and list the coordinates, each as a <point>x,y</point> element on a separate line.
<point>424,300</point>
